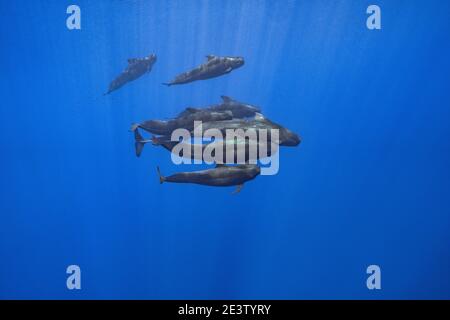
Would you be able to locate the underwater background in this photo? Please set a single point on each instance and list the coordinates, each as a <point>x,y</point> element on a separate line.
<point>369,184</point>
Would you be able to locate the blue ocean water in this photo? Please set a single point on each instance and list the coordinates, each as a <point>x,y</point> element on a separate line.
<point>369,184</point>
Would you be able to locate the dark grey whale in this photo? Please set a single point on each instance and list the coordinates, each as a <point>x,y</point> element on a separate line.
<point>238,109</point>
<point>286,136</point>
<point>214,67</point>
<point>135,69</point>
<point>258,146</point>
<point>220,176</point>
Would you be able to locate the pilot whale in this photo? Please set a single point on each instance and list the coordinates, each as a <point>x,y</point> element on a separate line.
<point>238,109</point>
<point>214,67</point>
<point>135,69</point>
<point>286,136</point>
<point>185,121</point>
<point>220,176</point>
<point>251,150</point>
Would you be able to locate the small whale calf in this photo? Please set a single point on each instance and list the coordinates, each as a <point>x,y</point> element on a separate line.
<point>239,110</point>
<point>214,67</point>
<point>220,176</point>
<point>135,69</point>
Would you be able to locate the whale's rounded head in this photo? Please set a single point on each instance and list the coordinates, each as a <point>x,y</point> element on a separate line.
<point>253,170</point>
<point>289,138</point>
<point>236,62</point>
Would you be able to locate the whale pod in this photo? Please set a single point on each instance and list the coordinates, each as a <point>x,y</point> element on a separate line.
<point>286,136</point>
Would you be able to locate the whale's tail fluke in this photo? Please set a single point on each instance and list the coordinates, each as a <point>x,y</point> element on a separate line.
<point>139,143</point>
<point>161,177</point>
<point>167,84</point>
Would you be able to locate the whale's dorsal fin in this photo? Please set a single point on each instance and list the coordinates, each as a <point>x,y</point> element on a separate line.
<point>132,60</point>
<point>226,99</point>
<point>210,57</point>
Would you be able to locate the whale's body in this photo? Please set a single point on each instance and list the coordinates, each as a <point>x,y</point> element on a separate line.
<point>135,69</point>
<point>229,151</point>
<point>214,67</point>
<point>239,109</point>
<point>186,121</point>
<point>258,123</point>
<point>220,176</point>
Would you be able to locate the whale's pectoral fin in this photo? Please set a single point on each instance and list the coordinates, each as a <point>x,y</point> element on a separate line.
<point>228,70</point>
<point>238,189</point>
